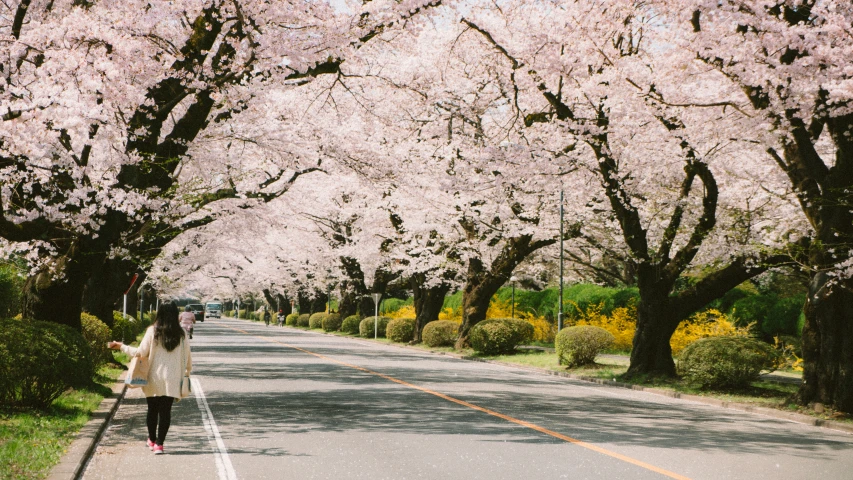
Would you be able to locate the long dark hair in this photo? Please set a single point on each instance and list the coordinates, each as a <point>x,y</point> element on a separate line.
<point>167,330</point>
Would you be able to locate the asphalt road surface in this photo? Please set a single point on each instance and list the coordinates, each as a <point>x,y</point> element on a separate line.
<point>282,403</point>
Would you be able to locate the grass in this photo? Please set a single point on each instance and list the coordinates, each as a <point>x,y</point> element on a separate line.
<point>32,442</point>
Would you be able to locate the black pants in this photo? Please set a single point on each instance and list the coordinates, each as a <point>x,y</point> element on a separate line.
<point>159,418</point>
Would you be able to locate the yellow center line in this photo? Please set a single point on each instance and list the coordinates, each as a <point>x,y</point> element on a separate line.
<point>493,413</point>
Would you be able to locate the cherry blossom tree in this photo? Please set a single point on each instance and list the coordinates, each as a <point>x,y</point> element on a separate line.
<point>103,103</point>
<point>790,61</point>
<point>659,145</point>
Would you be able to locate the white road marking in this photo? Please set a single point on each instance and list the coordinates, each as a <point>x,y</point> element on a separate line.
<point>223,462</point>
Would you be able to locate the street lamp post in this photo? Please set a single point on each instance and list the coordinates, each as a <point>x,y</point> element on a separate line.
<point>512,280</point>
<point>376,299</point>
<point>560,312</point>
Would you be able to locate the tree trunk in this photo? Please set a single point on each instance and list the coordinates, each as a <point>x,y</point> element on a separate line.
<point>318,303</point>
<point>651,353</point>
<point>348,305</point>
<point>482,284</point>
<point>828,344</point>
<point>105,288</point>
<point>55,293</point>
<point>476,296</point>
<point>284,304</point>
<point>427,301</point>
<point>352,289</point>
<point>304,303</point>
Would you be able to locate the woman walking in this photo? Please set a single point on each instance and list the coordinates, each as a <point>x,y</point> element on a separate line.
<point>168,353</point>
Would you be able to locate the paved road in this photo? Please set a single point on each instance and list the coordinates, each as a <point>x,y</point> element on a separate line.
<point>288,404</point>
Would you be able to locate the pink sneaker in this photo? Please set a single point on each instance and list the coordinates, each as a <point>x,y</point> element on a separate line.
<point>150,444</point>
<point>158,449</point>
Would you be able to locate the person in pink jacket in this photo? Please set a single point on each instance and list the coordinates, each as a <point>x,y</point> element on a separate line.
<point>187,319</point>
<point>169,357</point>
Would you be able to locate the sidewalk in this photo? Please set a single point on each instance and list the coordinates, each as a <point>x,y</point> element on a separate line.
<point>122,452</point>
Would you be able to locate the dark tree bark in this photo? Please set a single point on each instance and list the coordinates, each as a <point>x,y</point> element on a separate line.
<point>828,332</point>
<point>272,300</point>
<point>824,188</point>
<point>319,301</point>
<point>482,282</point>
<point>427,301</point>
<point>303,302</point>
<point>352,289</point>
<point>59,300</point>
<point>105,287</point>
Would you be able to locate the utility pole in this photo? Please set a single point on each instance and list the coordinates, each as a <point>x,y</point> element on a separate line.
<point>560,311</point>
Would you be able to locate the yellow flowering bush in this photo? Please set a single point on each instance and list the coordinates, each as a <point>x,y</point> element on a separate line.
<point>622,323</point>
<point>452,314</point>
<point>710,323</point>
<point>788,358</point>
<point>407,311</point>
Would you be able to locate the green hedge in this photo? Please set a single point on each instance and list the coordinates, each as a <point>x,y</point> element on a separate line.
<point>316,320</point>
<point>493,338</point>
<point>97,335</point>
<point>291,319</point>
<point>580,345</point>
<point>726,362</point>
<point>365,328</point>
<point>771,314</point>
<point>332,322</point>
<point>39,361</point>
<point>303,320</point>
<point>522,331</point>
<point>127,329</point>
<point>490,340</point>
<point>401,330</point>
<point>350,324</point>
<point>440,333</point>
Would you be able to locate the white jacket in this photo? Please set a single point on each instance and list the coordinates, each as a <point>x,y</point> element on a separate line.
<point>165,369</point>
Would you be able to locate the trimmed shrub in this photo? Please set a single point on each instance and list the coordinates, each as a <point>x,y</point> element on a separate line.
<point>316,320</point>
<point>97,335</point>
<point>580,345</point>
<point>493,338</point>
<point>40,360</point>
<point>332,322</point>
<point>291,319</point>
<point>401,330</point>
<point>522,329</point>
<point>726,362</point>
<point>126,329</point>
<point>365,328</point>
<point>440,333</point>
<point>350,324</point>
<point>303,320</point>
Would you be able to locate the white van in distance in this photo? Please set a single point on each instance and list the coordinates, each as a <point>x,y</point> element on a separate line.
<point>213,310</point>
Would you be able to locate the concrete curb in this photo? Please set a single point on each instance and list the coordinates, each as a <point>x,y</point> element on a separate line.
<point>74,460</point>
<point>769,412</point>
